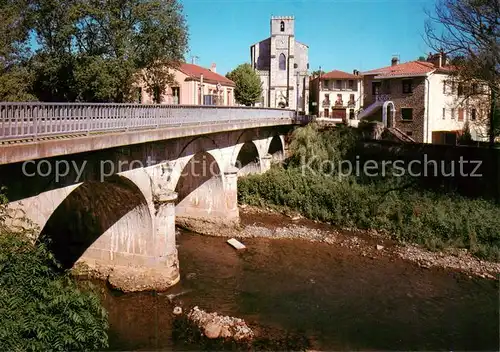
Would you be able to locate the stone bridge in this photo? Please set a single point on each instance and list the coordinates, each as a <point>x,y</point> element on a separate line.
<point>105,185</point>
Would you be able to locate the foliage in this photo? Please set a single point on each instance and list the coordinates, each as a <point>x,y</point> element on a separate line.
<point>317,73</point>
<point>469,30</point>
<point>321,150</point>
<point>248,88</point>
<point>466,137</point>
<point>14,76</point>
<point>392,204</point>
<point>89,50</point>
<point>41,309</point>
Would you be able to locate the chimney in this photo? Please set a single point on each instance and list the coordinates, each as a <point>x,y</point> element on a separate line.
<point>355,72</point>
<point>394,61</point>
<point>213,68</point>
<point>438,59</point>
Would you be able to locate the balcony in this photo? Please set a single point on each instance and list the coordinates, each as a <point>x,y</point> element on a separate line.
<point>381,97</point>
<point>335,89</point>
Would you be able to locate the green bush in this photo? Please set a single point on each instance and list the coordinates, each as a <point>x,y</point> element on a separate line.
<point>392,204</point>
<point>40,308</point>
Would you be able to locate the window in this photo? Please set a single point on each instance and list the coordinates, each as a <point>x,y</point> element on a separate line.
<point>175,95</point>
<point>473,114</point>
<point>326,101</point>
<point>475,89</point>
<point>453,113</point>
<point>325,84</point>
<point>453,87</point>
<point>326,113</point>
<point>282,26</point>
<point>386,87</point>
<point>351,114</point>
<point>282,62</point>
<point>444,87</point>
<point>138,93</point>
<point>338,84</point>
<point>208,99</point>
<point>444,113</point>
<point>407,86</point>
<point>460,90</point>
<point>407,114</point>
<point>156,95</point>
<point>460,114</point>
<point>351,99</point>
<point>376,88</point>
<point>351,84</point>
<point>339,100</point>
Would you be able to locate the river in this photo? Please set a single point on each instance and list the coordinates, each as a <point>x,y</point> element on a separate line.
<point>326,297</point>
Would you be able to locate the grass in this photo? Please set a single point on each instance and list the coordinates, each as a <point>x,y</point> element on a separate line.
<point>397,206</point>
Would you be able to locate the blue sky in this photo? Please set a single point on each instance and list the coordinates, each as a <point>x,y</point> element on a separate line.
<point>341,34</point>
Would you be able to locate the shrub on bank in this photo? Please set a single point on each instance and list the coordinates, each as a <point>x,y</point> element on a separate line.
<point>40,308</point>
<point>396,205</point>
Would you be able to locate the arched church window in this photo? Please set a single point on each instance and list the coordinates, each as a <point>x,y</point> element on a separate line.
<point>282,26</point>
<point>282,62</point>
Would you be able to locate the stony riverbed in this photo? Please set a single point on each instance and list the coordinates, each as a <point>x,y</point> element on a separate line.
<point>301,285</point>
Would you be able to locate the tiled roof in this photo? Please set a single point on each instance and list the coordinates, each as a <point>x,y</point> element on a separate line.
<point>411,68</point>
<point>195,71</point>
<point>336,74</point>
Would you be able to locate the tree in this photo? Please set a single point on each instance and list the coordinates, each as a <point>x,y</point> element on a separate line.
<point>469,30</point>
<point>248,88</point>
<point>317,73</point>
<point>40,308</point>
<point>15,78</point>
<point>90,50</point>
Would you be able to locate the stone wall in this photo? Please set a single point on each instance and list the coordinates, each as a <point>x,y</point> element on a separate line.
<point>485,183</point>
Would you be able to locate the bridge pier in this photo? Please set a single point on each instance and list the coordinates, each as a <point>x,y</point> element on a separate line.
<point>136,253</point>
<point>157,268</point>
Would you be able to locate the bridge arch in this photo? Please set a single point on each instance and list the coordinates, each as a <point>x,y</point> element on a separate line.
<point>200,190</point>
<point>247,159</point>
<point>108,221</point>
<point>276,148</point>
<point>202,144</point>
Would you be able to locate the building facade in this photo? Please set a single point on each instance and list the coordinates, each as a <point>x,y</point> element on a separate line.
<point>282,63</point>
<point>194,85</point>
<point>337,95</point>
<point>420,99</point>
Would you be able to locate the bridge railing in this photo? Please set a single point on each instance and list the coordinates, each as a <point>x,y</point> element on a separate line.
<point>33,120</point>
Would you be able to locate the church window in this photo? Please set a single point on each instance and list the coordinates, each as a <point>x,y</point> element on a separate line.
<point>282,62</point>
<point>282,26</point>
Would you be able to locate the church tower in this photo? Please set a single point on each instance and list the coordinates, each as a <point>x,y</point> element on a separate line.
<point>282,64</point>
<point>282,85</point>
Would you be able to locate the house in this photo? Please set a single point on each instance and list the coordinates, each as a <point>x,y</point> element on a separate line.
<point>337,95</point>
<point>423,100</point>
<point>282,64</point>
<point>194,85</point>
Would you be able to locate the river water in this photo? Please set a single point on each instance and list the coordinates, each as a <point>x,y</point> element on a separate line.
<point>329,296</point>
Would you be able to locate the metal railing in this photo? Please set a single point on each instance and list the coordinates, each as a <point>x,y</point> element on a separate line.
<point>37,120</point>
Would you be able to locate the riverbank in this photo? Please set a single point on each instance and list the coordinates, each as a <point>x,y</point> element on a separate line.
<point>270,223</point>
<point>298,294</point>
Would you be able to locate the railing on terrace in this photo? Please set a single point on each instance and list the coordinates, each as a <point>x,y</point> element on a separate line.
<point>33,120</point>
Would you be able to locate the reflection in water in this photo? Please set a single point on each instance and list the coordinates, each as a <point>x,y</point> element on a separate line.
<point>336,298</point>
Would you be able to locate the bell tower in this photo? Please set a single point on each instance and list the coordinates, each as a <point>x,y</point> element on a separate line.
<point>282,65</point>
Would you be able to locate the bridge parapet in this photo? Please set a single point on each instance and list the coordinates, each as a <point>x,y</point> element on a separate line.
<point>33,120</point>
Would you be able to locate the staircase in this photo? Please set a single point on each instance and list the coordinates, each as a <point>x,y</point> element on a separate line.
<point>400,135</point>
<point>370,109</point>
